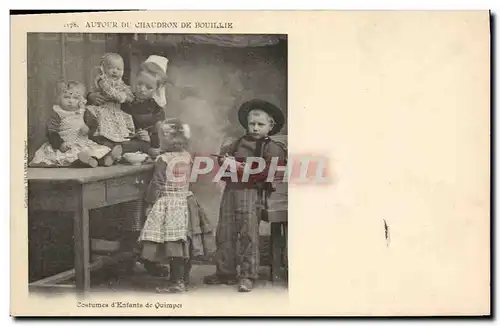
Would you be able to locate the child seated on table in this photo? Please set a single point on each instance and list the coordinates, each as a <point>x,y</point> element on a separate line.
<point>68,141</point>
<point>109,124</point>
<point>176,228</point>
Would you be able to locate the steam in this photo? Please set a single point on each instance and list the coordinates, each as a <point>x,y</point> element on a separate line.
<point>215,89</point>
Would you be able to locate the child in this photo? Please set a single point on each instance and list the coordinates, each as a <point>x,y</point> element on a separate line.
<point>109,124</point>
<point>145,107</point>
<point>238,226</point>
<point>176,227</point>
<point>67,134</point>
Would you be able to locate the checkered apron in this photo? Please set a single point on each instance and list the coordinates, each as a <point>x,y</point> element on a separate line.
<point>113,123</point>
<point>168,218</point>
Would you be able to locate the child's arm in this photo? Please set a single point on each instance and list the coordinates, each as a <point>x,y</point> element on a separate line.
<point>91,121</point>
<point>108,89</point>
<point>158,115</point>
<point>52,131</point>
<point>157,184</point>
<point>273,151</point>
<point>128,107</point>
<point>226,152</point>
<point>97,98</point>
<point>128,93</point>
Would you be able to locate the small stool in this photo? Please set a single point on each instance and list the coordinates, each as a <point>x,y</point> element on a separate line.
<point>278,220</point>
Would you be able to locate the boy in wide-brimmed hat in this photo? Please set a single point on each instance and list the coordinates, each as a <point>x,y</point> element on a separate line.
<point>239,209</point>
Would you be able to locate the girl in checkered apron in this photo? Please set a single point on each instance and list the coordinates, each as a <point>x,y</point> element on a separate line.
<point>68,142</point>
<point>176,227</point>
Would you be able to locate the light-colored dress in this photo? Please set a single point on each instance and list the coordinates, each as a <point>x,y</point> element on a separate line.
<point>68,125</point>
<point>113,123</point>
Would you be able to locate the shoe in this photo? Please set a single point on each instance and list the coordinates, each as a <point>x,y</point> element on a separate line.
<point>86,159</point>
<point>218,279</point>
<point>175,287</point>
<point>245,285</point>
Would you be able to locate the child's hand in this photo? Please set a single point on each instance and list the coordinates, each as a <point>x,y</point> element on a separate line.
<point>223,159</point>
<point>148,210</point>
<point>130,98</point>
<point>238,164</point>
<point>143,135</point>
<point>122,97</point>
<point>84,130</point>
<point>65,147</point>
<point>154,152</point>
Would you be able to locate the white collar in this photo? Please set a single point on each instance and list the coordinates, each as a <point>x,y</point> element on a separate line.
<point>65,113</point>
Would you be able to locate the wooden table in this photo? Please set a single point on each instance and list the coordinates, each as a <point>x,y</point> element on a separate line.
<point>79,190</point>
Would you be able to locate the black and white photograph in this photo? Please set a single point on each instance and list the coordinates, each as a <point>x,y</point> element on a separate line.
<point>110,208</point>
<point>251,163</point>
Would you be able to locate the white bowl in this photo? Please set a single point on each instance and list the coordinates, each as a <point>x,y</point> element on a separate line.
<point>135,158</point>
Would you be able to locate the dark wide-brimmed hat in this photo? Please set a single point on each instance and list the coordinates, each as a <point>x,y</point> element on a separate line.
<point>265,106</point>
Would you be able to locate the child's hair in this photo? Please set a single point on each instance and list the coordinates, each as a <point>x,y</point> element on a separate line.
<point>64,86</point>
<point>259,112</point>
<point>155,71</point>
<point>109,57</point>
<point>179,131</point>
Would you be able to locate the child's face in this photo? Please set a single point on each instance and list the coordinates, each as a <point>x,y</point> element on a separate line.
<point>71,99</point>
<point>166,136</point>
<point>259,123</point>
<point>114,68</point>
<point>145,86</point>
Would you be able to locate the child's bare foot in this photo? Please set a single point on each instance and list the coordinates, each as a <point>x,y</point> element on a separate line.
<point>86,159</point>
<point>107,160</point>
<point>116,152</point>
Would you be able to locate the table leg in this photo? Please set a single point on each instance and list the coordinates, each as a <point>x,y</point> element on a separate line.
<point>82,249</point>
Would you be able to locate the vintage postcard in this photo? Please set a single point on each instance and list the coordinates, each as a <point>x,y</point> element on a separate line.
<point>246,163</point>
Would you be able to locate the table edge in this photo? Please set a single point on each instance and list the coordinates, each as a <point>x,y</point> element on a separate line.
<point>143,168</point>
